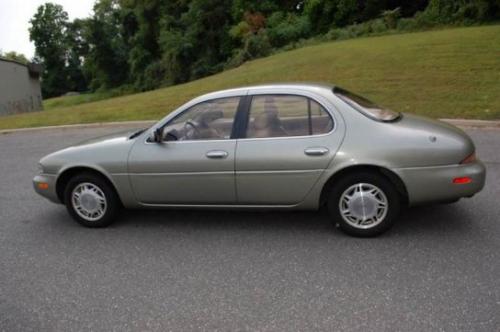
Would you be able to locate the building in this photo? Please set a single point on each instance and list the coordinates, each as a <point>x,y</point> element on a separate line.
<point>20,90</point>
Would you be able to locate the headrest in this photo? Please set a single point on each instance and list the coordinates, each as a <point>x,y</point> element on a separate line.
<point>265,120</point>
<point>206,117</point>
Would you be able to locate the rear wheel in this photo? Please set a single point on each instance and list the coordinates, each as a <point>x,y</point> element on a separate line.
<point>91,201</point>
<point>364,204</point>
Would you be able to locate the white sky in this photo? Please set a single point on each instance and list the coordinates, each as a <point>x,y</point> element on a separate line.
<point>15,16</point>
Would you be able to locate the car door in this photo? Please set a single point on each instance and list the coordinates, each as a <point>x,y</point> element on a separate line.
<point>288,142</point>
<point>195,162</point>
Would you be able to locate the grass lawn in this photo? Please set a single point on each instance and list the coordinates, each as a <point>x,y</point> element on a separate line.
<point>67,101</point>
<point>453,73</point>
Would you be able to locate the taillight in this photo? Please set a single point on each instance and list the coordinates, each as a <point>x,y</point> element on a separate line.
<point>469,159</point>
<point>462,180</point>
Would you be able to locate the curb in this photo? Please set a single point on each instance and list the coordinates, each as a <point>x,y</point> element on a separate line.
<point>464,123</point>
<point>82,126</point>
<point>490,124</point>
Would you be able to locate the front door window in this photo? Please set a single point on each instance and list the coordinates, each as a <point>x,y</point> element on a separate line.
<point>210,120</point>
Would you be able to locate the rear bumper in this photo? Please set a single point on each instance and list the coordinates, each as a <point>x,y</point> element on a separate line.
<point>434,184</point>
<point>45,185</point>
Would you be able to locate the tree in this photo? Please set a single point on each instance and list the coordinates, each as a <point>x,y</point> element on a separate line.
<point>47,31</point>
<point>145,50</point>
<point>145,44</point>
<point>77,49</point>
<point>461,11</point>
<point>19,57</point>
<point>105,63</point>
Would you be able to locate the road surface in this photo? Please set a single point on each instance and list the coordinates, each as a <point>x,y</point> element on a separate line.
<point>437,269</point>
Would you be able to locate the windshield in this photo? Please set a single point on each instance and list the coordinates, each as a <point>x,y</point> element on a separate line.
<point>365,106</point>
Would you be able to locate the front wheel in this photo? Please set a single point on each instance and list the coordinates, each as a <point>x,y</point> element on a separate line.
<point>364,204</point>
<point>91,201</point>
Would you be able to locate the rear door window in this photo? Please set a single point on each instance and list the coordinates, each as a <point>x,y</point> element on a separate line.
<point>286,116</point>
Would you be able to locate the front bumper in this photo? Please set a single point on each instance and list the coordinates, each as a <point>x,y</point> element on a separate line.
<point>435,184</point>
<point>45,185</point>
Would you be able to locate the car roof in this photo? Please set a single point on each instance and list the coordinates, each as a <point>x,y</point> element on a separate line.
<point>296,86</point>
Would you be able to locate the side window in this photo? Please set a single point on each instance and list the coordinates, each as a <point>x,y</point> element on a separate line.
<point>286,115</point>
<point>209,120</point>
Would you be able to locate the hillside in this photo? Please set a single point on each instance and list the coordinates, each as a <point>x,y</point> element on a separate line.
<point>452,73</point>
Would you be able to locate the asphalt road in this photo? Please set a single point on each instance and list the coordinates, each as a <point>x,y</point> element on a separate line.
<point>437,269</point>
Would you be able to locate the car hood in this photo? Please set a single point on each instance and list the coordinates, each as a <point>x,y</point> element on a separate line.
<point>106,139</point>
<point>107,152</point>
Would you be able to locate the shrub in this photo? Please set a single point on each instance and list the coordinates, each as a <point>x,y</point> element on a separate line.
<point>407,24</point>
<point>240,30</point>
<point>285,28</point>
<point>254,45</point>
<point>378,26</point>
<point>391,17</point>
<point>458,12</point>
<point>152,77</point>
<point>257,45</point>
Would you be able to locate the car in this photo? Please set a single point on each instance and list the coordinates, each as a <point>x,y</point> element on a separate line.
<point>275,146</point>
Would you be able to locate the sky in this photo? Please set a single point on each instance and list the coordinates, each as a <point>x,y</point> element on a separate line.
<point>16,14</point>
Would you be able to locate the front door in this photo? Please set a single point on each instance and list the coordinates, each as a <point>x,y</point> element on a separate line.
<point>289,141</point>
<point>195,163</point>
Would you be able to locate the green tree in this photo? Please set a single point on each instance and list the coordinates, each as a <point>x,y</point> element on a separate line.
<point>77,49</point>
<point>106,60</point>
<point>143,27</point>
<point>48,32</point>
<point>19,57</point>
<point>198,42</point>
<point>284,28</point>
<point>461,11</point>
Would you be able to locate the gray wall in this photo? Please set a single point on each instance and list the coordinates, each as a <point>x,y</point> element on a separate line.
<point>19,88</point>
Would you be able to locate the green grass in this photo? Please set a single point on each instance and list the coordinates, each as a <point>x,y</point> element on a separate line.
<point>452,73</point>
<point>67,101</point>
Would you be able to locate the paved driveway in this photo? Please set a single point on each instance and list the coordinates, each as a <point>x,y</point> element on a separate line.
<point>438,268</point>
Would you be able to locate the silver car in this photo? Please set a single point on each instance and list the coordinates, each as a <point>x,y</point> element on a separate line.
<point>283,146</point>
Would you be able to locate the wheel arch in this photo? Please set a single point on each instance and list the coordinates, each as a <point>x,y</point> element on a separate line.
<point>383,171</point>
<point>66,175</point>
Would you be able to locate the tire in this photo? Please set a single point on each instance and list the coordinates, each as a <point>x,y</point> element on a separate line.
<point>370,202</point>
<point>98,202</point>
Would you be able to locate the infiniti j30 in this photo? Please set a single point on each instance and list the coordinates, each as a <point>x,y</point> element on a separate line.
<point>284,146</point>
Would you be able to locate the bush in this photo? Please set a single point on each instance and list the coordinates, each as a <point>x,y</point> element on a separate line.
<point>240,30</point>
<point>285,28</point>
<point>255,45</point>
<point>407,24</point>
<point>152,78</point>
<point>368,28</point>
<point>440,12</point>
<point>342,34</point>
<point>378,26</point>
<point>391,17</point>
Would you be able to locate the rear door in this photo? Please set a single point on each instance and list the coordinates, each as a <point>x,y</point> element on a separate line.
<point>288,141</point>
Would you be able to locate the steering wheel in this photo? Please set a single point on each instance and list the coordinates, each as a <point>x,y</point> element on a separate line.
<point>191,129</point>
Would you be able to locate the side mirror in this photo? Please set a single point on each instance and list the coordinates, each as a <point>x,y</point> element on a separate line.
<point>158,135</point>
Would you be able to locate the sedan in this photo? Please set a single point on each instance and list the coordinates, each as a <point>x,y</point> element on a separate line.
<point>283,146</point>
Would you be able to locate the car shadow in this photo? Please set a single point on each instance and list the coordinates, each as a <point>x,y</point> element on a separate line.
<point>433,218</point>
<point>437,218</point>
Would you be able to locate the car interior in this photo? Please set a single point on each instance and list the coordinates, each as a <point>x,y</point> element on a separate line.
<point>271,117</point>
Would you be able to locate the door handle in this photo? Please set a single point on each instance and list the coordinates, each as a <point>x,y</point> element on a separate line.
<point>217,154</point>
<point>316,151</point>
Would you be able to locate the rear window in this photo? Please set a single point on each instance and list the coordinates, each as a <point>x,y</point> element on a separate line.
<point>366,106</point>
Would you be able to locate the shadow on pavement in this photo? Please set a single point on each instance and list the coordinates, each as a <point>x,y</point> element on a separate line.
<point>435,218</point>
